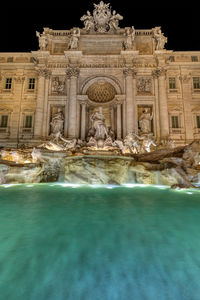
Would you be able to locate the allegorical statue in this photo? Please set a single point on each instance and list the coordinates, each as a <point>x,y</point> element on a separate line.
<point>74,39</point>
<point>129,38</point>
<point>101,131</point>
<point>42,41</point>
<point>145,121</point>
<point>57,123</point>
<point>160,39</point>
<point>88,21</point>
<point>114,20</point>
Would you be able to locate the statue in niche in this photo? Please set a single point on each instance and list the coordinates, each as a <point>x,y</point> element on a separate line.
<point>42,41</point>
<point>101,131</point>
<point>57,123</point>
<point>114,20</point>
<point>74,39</point>
<point>160,39</point>
<point>145,121</point>
<point>88,21</point>
<point>130,37</point>
<point>58,86</point>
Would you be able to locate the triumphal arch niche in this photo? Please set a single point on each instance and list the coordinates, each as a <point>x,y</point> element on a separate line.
<point>124,73</point>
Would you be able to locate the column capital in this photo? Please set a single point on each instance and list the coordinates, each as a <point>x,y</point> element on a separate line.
<point>19,79</point>
<point>72,72</point>
<point>159,72</point>
<point>129,72</point>
<point>43,72</point>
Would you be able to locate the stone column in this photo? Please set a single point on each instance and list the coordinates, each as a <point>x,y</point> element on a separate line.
<point>45,108</point>
<point>187,95</point>
<point>67,105</point>
<point>73,73</point>
<point>135,109</point>
<point>119,121</point>
<point>83,120</point>
<point>130,100</point>
<point>40,103</point>
<point>163,108</point>
<point>16,123</point>
<point>156,117</point>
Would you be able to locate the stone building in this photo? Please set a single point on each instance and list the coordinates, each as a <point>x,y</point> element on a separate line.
<point>125,71</point>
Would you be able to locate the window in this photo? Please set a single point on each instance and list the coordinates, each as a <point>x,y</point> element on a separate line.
<point>194,58</point>
<point>172,83</point>
<point>28,122</point>
<point>198,121</point>
<point>8,83</point>
<point>4,121</point>
<point>31,85</point>
<point>175,122</point>
<point>196,82</point>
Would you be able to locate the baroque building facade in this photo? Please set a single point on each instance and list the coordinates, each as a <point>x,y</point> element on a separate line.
<point>124,71</point>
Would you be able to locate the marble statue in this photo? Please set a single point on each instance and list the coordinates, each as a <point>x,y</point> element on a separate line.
<point>102,20</point>
<point>74,39</point>
<point>88,21</point>
<point>114,20</point>
<point>57,123</point>
<point>42,41</point>
<point>129,38</point>
<point>160,39</point>
<point>145,121</point>
<point>36,155</point>
<point>98,119</point>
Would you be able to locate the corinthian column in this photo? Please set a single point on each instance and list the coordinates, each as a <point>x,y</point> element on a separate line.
<point>163,109</point>
<point>73,73</point>
<point>40,103</point>
<point>119,121</point>
<point>130,101</point>
<point>83,120</point>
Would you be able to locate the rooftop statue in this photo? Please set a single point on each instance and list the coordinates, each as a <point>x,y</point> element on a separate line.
<point>130,37</point>
<point>43,43</point>
<point>159,37</point>
<point>103,20</point>
<point>74,39</point>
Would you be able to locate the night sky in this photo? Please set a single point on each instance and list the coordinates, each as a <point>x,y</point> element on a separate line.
<point>18,26</point>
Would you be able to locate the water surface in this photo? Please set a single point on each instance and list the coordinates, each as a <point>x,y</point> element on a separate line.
<point>69,243</point>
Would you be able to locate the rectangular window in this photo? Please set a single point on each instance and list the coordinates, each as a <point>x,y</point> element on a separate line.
<point>31,84</point>
<point>172,83</point>
<point>194,58</point>
<point>198,121</point>
<point>28,122</point>
<point>171,58</point>
<point>175,122</point>
<point>196,82</point>
<point>4,121</point>
<point>8,83</point>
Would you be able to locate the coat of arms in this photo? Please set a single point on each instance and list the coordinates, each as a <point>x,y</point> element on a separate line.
<point>103,20</point>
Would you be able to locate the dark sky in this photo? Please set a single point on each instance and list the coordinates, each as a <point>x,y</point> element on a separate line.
<point>18,26</point>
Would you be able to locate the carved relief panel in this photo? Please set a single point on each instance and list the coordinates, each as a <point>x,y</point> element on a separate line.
<point>58,85</point>
<point>144,85</point>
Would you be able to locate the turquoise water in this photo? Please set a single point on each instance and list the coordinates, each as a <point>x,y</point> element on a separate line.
<point>61,243</point>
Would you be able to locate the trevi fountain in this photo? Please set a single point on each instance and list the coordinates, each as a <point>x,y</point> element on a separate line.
<point>100,166</point>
